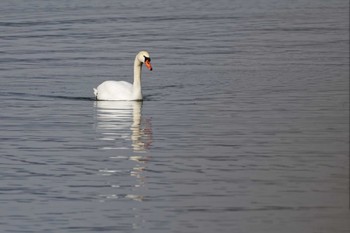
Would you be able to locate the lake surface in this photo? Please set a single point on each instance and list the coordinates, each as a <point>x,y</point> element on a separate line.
<point>244,125</point>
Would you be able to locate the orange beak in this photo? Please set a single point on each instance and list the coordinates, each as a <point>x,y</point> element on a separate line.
<point>148,65</point>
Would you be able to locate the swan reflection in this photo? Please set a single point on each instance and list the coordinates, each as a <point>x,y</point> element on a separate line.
<point>122,123</point>
<point>120,126</point>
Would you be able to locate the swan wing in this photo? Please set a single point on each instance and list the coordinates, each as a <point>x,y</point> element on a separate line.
<point>114,90</point>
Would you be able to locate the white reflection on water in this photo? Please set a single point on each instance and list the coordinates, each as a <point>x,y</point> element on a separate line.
<point>121,126</point>
<point>121,122</point>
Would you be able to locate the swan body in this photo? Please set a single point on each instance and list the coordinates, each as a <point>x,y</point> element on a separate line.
<point>121,90</point>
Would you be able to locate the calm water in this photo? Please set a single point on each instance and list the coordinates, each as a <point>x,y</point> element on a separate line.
<point>244,126</point>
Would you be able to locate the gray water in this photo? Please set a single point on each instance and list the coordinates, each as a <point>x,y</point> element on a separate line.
<point>243,128</point>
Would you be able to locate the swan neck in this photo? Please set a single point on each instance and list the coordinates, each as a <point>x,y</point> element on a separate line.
<point>137,79</point>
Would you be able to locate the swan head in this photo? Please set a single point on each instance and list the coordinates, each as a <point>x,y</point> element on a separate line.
<point>144,57</point>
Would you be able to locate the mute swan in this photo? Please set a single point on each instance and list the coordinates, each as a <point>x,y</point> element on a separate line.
<point>121,90</point>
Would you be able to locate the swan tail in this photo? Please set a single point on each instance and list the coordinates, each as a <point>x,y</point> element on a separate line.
<point>95,92</point>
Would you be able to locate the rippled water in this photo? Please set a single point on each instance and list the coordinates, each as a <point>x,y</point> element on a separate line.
<point>244,126</point>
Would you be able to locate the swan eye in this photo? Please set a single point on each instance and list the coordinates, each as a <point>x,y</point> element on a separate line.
<point>147,58</point>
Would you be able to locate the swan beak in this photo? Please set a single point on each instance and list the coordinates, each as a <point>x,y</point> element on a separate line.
<point>148,65</point>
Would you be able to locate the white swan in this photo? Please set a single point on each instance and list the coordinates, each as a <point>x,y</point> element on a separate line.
<point>121,90</point>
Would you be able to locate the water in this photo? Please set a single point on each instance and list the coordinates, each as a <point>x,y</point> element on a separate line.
<point>244,126</point>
